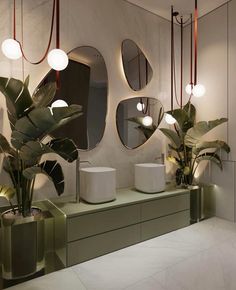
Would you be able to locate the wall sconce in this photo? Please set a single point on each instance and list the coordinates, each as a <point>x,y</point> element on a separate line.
<point>193,88</point>
<point>57,58</point>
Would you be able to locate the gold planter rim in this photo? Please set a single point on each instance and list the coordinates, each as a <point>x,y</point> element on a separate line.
<point>19,219</point>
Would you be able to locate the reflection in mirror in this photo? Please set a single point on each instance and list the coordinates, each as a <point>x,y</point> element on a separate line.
<point>137,119</point>
<point>83,82</point>
<point>137,69</point>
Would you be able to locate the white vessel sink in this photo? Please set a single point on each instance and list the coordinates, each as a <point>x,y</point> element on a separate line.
<point>98,184</point>
<point>150,177</point>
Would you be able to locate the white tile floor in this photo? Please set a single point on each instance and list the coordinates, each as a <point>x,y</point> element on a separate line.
<point>199,257</point>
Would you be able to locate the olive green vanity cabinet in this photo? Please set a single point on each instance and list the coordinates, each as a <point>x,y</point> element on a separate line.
<point>94,230</point>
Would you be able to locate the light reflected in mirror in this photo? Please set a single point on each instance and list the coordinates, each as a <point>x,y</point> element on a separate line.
<point>137,69</point>
<point>83,82</point>
<point>137,119</point>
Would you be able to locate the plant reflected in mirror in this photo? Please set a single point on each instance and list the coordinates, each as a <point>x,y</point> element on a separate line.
<point>83,82</point>
<point>137,119</point>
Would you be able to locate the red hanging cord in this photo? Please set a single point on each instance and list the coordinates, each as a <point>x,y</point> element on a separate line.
<point>14,20</point>
<point>181,64</point>
<point>172,59</point>
<point>50,36</point>
<point>58,39</point>
<point>195,41</point>
<point>191,51</point>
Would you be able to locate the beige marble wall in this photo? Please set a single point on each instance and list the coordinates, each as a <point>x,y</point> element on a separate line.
<point>217,70</point>
<point>103,24</point>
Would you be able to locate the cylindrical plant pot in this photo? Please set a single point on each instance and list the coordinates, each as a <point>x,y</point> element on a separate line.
<point>22,244</point>
<point>196,203</point>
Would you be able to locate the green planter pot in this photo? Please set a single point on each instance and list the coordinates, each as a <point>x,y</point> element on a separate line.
<point>22,244</point>
<point>196,204</point>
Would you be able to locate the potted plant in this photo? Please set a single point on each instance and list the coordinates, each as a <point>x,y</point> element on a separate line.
<point>31,120</point>
<point>187,149</point>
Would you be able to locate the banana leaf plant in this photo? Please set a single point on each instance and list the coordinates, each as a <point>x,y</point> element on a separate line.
<point>187,149</point>
<point>31,120</point>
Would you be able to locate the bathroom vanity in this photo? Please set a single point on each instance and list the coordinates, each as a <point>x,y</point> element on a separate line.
<point>90,231</point>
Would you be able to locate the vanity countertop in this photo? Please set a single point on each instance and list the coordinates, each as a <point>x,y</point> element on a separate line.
<point>124,197</point>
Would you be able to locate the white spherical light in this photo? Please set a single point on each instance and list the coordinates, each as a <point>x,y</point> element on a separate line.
<point>11,49</point>
<point>188,89</point>
<point>59,104</point>
<point>169,119</point>
<point>57,59</point>
<point>199,91</point>
<point>147,121</point>
<point>140,107</point>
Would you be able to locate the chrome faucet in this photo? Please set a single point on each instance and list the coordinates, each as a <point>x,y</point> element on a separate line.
<point>161,158</point>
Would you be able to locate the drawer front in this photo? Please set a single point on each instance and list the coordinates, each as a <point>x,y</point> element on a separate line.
<point>160,226</point>
<point>161,207</point>
<point>86,249</point>
<point>95,223</point>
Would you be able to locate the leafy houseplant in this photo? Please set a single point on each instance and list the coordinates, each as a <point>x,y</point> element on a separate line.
<point>31,121</point>
<point>187,148</point>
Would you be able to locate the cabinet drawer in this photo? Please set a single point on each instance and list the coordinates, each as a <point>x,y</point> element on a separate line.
<point>160,226</point>
<point>85,249</point>
<point>95,223</point>
<point>161,207</point>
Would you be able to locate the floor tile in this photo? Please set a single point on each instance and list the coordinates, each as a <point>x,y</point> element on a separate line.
<point>146,284</point>
<point>61,280</point>
<point>211,269</point>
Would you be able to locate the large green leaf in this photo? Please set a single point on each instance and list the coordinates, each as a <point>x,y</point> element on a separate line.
<point>173,136</point>
<point>64,147</point>
<point>33,150</point>
<point>211,157</point>
<point>43,96</point>
<point>191,111</point>
<point>52,169</point>
<point>18,98</point>
<point>194,134</point>
<point>180,116</point>
<point>7,192</point>
<point>185,117</point>
<point>4,145</point>
<point>27,81</point>
<point>40,122</point>
<point>217,144</point>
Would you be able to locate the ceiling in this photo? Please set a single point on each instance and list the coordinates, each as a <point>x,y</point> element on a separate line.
<point>162,7</point>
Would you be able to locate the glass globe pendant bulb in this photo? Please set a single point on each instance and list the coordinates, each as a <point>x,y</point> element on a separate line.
<point>140,107</point>
<point>199,91</point>
<point>188,89</point>
<point>57,59</point>
<point>169,119</point>
<point>147,121</point>
<point>59,104</point>
<point>11,49</point>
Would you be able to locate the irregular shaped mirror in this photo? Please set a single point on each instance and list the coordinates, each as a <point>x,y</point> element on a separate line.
<point>83,82</point>
<point>137,119</point>
<point>137,69</point>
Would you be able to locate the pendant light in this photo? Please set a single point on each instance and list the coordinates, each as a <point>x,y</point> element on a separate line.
<point>57,58</point>
<point>193,88</point>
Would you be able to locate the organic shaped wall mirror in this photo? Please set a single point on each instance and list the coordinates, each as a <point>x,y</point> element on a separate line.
<point>83,82</point>
<point>137,69</point>
<point>137,119</point>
